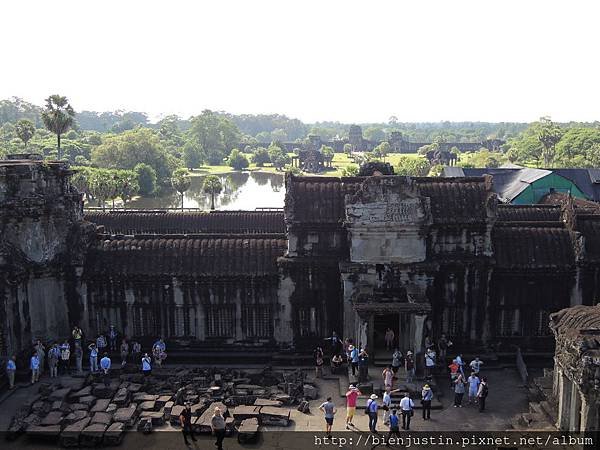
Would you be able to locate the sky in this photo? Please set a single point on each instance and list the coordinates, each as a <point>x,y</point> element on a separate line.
<point>316,60</point>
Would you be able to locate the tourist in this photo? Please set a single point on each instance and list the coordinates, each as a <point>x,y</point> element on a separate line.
<point>34,365</point>
<point>77,334</point>
<point>372,408</point>
<point>318,358</point>
<point>185,418</point>
<point>78,357</point>
<point>426,397</point>
<point>136,350</point>
<point>386,403</point>
<point>158,351</point>
<point>146,365</point>
<point>429,362</point>
<point>396,361</point>
<point>388,375</point>
<point>330,410</point>
<point>409,366</point>
<point>428,342</point>
<point>363,365</point>
<point>482,393</point>
<point>353,358</point>
<point>335,343</point>
<point>406,407</point>
<point>217,424</point>
<point>41,351</point>
<point>461,364</point>
<point>101,343</point>
<point>351,397</point>
<point>11,368</point>
<point>394,425</point>
<point>112,338</point>
<point>459,391</point>
<point>93,358</point>
<point>105,364</point>
<point>454,367</point>
<point>389,339</point>
<point>475,365</point>
<point>124,352</point>
<point>65,357</point>
<point>347,344</point>
<point>160,343</point>
<point>443,344</point>
<point>53,358</point>
<point>473,381</point>
<point>336,363</point>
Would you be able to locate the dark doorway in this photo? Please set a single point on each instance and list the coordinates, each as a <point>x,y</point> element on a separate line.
<point>381,323</point>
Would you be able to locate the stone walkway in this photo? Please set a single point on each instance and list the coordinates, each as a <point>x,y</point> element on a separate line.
<point>507,397</point>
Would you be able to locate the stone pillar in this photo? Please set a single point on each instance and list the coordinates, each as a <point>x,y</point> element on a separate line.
<point>129,329</point>
<point>178,302</point>
<point>284,330</point>
<point>564,403</point>
<point>574,414</point>
<point>239,334</point>
<point>589,413</point>
<point>417,328</point>
<point>363,331</point>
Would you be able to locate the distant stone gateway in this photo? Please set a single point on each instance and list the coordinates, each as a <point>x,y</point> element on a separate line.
<point>357,255</point>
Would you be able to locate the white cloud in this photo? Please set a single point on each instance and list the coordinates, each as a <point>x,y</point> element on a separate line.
<point>316,60</point>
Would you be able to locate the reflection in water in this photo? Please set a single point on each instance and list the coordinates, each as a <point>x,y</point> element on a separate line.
<point>241,190</point>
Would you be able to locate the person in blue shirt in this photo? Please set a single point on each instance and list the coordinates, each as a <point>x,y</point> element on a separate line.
<point>93,357</point>
<point>146,365</point>
<point>394,424</point>
<point>353,358</point>
<point>11,368</point>
<point>105,364</point>
<point>372,408</point>
<point>34,365</point>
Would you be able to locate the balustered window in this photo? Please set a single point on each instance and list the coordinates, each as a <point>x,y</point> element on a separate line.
<point>220,321</point>
<point>257,321</point>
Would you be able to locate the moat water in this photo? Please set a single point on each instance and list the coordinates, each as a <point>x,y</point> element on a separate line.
<point>241,190</point>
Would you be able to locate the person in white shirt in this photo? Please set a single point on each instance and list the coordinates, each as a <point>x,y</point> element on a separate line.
<point>406,405</point>
<point>429,362</point>
<point>386,404</point>
<point>476,365</point>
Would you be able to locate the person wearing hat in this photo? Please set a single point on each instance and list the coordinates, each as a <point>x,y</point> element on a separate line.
<point>426,397</point>
<point>351,397</point>
<point>185,418</point>
<point>372,408</point>
<point>409,365</point>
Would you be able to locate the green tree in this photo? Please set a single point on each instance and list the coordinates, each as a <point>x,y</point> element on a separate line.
<point>126,150</point>
<point>126,185</point>
<point>81,180</point>
<point>549,136</point>
<point>181,181</point>
<point>146,178</point>
<point>261,157</point>
<point>348,149</point>
<point>215,134</point>
<point>382,150</point>
<point>237,160</point>
<point>327,153</point>
<point>212,186</point>
<point>25,130</point>
<point>413,167</point>
<point>58,117</point>
<point>278,157</point>
<point>351,170</point>
<point>192,155</point>
<point>102,185</point>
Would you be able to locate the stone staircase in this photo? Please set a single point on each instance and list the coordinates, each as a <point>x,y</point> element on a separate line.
<point>543,409</point>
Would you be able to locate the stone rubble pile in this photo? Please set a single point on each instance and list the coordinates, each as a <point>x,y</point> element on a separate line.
<point>87,413</point>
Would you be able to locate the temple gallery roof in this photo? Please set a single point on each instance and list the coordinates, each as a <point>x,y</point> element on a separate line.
<point>533,248</point>
<point>183,256</point>
<point>322,199</point>
<point>171,222</point>
<point>578,324</point>
<point>529,213</point>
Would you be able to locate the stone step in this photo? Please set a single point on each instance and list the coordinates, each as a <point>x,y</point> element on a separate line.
<point>550,410</point>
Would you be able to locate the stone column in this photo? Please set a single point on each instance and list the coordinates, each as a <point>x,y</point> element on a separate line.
<point>589,413</point>
<point>574,413</point>
<point>564,403</point>
<point>284,331</point>
<point>418,323</point>
<point>130,302</point>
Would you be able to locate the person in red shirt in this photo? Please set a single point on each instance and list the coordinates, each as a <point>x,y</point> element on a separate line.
<point>454,368</point>
<point>351,397</point>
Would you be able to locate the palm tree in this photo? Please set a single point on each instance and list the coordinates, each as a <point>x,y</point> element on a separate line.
<point>25,130</point>
<point>181,181</point>
<point>58,117</point>
<point>212,185</point>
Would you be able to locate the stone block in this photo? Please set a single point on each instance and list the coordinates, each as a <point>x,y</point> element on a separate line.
<point>102,417</point>
<point>57,405</point>
<point>248,431</point>
<point>157,418</point>
<point>74,417</point>
<point>134,387</point>
<point>310,392</point>
<point>175,413</point>
<point>122,397</point>
<point>101,391</point>
<point>87,400</point>
<point>79,407</point>
<point>101,405</point>
<point>87,390</point>
<point>51,432</point>
<point>274,416</point>
<point>267,402</point>
<point>92,435</point>
<point>162,400</point>
<point>70,434</point>
<point>114,434</point>
<point>147,406</point>
<point>202,423</point>
<point>126,415</point>
<point>241,413</point>
<point>168,407</point>
<point>144,397</point>
<point>59,394</point>
<point>53,418</point>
